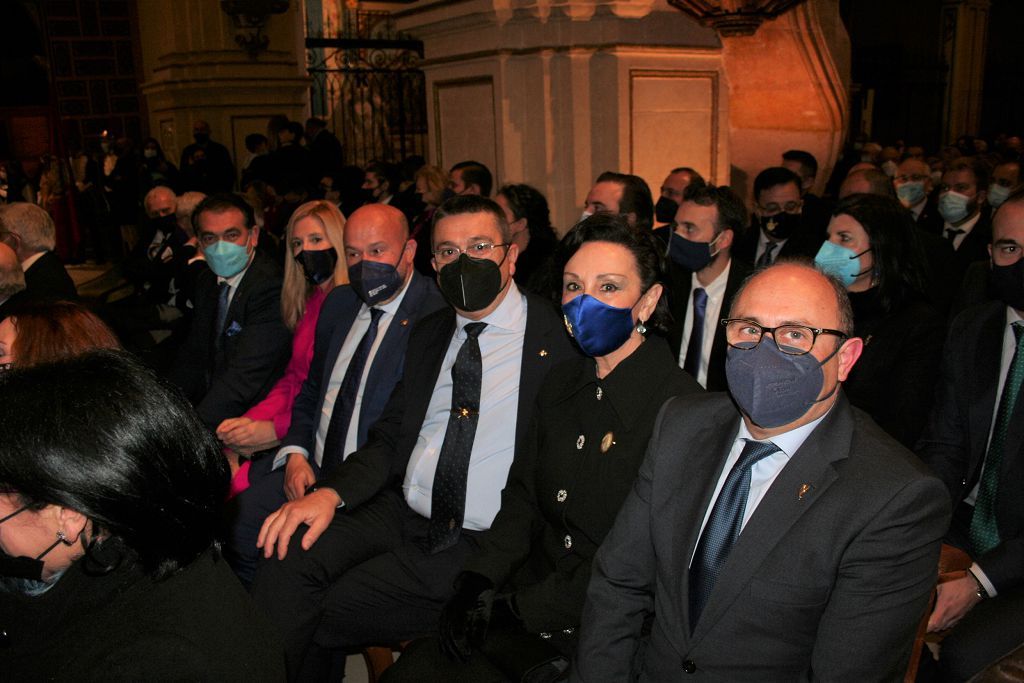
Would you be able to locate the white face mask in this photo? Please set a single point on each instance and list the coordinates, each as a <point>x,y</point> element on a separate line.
<point>889,168</point>
<point>997,194</point>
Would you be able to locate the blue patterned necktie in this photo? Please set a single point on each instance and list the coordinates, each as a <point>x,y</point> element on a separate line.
<point>984,531</point>
<point>345,402</point>
<point>448,494</point>
<point>723,527</point>
<point>694,346</point>
<point>223,304</point>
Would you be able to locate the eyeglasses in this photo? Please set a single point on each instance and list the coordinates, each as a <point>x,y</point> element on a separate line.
<point>774,208</point>
<point>480,250</point>
<point>793,340</point>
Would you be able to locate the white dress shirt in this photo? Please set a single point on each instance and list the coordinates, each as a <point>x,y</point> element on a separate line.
<point>764,472</point>
<point>501,350</point>
<point>235,280</point>
<point>348,349</point>
<point>1009,346</point>
<point>966,227</point>
<point>712,315</point>
<point>762,244</point>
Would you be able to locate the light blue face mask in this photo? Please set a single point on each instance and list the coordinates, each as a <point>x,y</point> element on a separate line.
<point>840,262</point>
<point>953,206</point>
<point>226,259</point>
<point>997,194</point>
<point>911,193</point>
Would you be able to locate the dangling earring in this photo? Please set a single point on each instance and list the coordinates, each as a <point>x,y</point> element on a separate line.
<point>640,327</point>
<point>62,537</point>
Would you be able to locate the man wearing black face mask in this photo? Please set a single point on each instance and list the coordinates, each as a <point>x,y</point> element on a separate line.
<point>676,183</point>
<point>384,556</point>
<point>347,386</point>
<point>975,443</point>
<point>762,542</point>
<point>220,169</point>
<point>778,229</point>
<point>703,277</point>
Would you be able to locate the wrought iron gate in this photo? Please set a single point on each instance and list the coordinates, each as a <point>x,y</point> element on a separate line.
<point>371,93</point>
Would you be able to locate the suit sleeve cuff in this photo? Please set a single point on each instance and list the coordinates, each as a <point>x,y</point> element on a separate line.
<point>282,455</point>
<point>983,580</point>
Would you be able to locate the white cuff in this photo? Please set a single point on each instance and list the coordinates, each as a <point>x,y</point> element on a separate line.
<point>282,456</point>
<point>983,580</point>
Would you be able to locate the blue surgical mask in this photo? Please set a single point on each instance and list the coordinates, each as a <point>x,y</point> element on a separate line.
<point>226,259</point>
<point>911,193</point>
<point>692,256</point>
<point>841,262</point>
<point>997,194</point>
<point>773,388</point>
<point>374,281</point>
<point>597,327</point>
<point>953,206</point>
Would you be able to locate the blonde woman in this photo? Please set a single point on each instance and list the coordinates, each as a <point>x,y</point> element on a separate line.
<point>314,266</point>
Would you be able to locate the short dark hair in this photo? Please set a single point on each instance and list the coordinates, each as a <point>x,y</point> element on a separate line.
<point>296,129</point>
<point>113,442</point>
<point>529,203</point>
<point>387,172</point>
<point>808,164</point>
<point>899,266</point>
<point>471,203</point>
<point>221,202</point>
<point>475,173</point>
<point>254,140</point>
<point>732,213</point>
<point>976,166</point>
<point>645,247</point>
<point>773,177</point>
<point>696,179</point>
<point>636,197</point>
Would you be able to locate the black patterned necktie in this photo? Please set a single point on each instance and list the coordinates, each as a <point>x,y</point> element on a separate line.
<point>223,304</point>
<point>984,530</point>
<point>766,255</point>
<point>723,527</point>
<point>448,496</point>
<point>345,402</point>
<point>693,348</point>
<point>952,234</point>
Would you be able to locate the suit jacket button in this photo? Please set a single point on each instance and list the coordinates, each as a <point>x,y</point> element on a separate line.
<point>689,667</point>
<point>567,541</point>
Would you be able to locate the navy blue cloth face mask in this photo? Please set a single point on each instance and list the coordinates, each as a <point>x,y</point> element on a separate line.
<point>773,388</point>
<point>597,327</point>
<point>374,281</point>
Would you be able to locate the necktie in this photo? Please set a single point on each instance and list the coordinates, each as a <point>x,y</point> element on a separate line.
<point>952,233</point>
<point>448,498</point>
<point>984,531</point>
<point>723,527</point>
<point>222,312</point>
<point>766,257</point>
<point>693,347</point>
<point>345,403</point>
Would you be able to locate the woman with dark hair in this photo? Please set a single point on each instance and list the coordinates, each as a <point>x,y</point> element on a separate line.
<point>110,568</point>
<point>871,249</point>
<point>529,220</point>
<point>519,599</point>
<point>44,331</point>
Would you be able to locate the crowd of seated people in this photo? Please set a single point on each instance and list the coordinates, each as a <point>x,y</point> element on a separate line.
<point>683,436</point>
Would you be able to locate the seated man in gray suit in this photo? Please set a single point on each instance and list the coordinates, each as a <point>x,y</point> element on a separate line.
<point>793,540</point>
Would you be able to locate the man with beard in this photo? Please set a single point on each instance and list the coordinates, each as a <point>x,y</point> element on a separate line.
<point>370,552</point>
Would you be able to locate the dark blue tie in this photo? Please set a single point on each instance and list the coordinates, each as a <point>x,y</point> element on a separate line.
<point>723,527</point>
<point>345,403</point>
<point>222,312</point>
<point>693,347</point>
<point>448,492</point>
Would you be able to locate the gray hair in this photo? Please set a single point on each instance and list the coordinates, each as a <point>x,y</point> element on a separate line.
<point>32,225</point>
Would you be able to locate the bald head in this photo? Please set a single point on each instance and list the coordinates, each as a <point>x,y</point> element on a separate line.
<point>160,201</point>
<point>12,278</point>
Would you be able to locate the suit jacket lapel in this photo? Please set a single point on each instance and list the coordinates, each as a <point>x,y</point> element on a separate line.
<point>780,508</point>
<point>536,360</point>
<point>339,333</point>
<point>982,405</point>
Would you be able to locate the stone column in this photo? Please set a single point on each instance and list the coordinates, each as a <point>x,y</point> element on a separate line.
<point>964,43</point>
<point>194,69</point>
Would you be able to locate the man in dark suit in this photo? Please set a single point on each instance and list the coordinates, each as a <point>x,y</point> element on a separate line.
<point>206,159</point>
<point>816,211</point>
<point>375,561</point>
<point>324,148</point>
<point>759,545</point>
<point>238,345</point>
<point>779,228</point>
<point>914,188</point>
<point>967,219</point>
<point>975,443</point>
<point>702,279</point>
<point>29,231</point>
<point>385,294</point>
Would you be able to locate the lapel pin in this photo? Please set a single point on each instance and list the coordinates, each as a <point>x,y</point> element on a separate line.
<point>404,322</point>
<point>804,488</point>
<point>607,442</point>
<point>543,352</point>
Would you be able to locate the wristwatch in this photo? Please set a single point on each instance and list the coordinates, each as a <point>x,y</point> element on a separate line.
<point>980,592</point>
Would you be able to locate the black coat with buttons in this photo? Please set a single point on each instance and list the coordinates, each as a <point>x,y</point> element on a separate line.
<point>587,439</point>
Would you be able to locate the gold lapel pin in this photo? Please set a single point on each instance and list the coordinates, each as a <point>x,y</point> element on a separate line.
<point>804,488</point>
<point>543,352</point>
<point>404,322</point>
<point>607,442</point>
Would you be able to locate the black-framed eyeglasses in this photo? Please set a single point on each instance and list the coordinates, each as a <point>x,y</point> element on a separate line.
<point>480,250</point>
<point>794,340</point>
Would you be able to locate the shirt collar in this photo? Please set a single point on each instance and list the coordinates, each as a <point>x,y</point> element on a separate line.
<point>236,279</point>
<point>509,315</point>
<point>788,442</point>
<point>966,227</point>
<point>1012,316</point>
<point>27,263</point>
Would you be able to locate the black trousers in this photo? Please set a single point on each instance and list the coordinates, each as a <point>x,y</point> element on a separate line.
<point>367,580</point>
